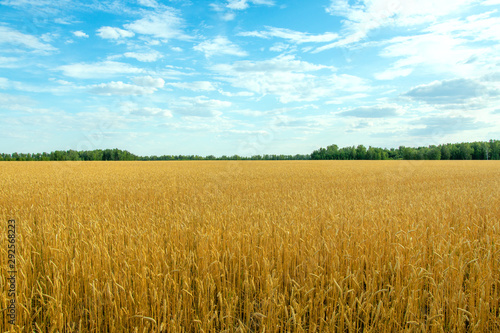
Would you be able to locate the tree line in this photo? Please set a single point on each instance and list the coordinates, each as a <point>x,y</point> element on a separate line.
<point>123,155</point>
<point>481,150</point>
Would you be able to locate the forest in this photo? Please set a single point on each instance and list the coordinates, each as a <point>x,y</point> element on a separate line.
<point>479,150</point>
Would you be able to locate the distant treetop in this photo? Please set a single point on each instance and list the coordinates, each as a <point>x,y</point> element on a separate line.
<point>481,150</point>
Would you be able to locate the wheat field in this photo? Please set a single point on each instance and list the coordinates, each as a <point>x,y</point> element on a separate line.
<point>253,246</point>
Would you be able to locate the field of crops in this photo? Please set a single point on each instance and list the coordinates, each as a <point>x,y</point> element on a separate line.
<point>252,246</point>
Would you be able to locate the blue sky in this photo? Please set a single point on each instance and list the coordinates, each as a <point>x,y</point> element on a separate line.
<point>246,76</point>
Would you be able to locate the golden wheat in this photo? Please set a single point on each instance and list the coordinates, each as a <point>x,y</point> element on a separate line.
<point>253,246</point>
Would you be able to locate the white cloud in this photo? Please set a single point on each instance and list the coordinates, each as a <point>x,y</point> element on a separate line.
<point>15,102</point>
<point>244,4</point>
<point>34,3</point>
<point>437,52</point>
<point>152,112</point>
<point>227,10</point>
<point>14,37</point>
<point>64,21</point>
<point>145,111</point>
<point>208,103</point>
<point>368,15</point>
<point>277,64</point>
<point>102,69</point>
<point>194,86</point>
<point>41,9</point>
<point>237,94</point>
<point>291,35</point>
<point>480,27</point>
<point>289,79</point>
<point>247,132</point>
<point>120,88</point>
<point>391,74</point>
<point>144,57</point>
<point>9,62</point>
<point>455,91</point>
<point>376,111</point>
<point>80,34</point>
<point>237,4</point>
<point>62,82</point>
<point>443,124</point>
<point>22,3</point>
<point>349,98</point>
<point>474,47</point>
<point>29,87</point>
<point>165,24</point>
<point>114,33</point>
<point>4,83</point>
<point>287,86</point>
<point>148,3</point>
<point>279,47</point>
<point>251,113</point>
<point>148,81</point>
<point>49,37</point>
<point>199,106</point>
<point>228,16</point>
<point>219,46</point>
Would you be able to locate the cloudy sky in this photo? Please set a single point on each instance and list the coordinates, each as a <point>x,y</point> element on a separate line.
<point>246,76</point>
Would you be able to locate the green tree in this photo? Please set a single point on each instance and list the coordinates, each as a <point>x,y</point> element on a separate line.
<point>433,153</point>
<point>72,155</point>
<point>478,151</point>
<point>494,150</point>
<point>465,151</point>
<point>445,152</point>
<point>57,155</point>
<point>107,155</point>
<point>361,152</point>
<point>408,153</point>
<point>331,152</point>
<point>351,153</point>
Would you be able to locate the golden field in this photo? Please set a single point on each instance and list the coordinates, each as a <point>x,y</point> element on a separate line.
<point>253,246</point>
